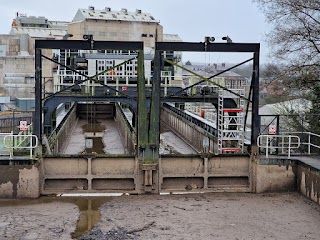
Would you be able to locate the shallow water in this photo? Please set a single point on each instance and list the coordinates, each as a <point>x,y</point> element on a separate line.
<point>95,132</point>
<point>89,214</point>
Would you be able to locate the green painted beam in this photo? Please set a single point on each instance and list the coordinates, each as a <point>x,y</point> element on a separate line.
<point>142,128</point>
<point>154,121</point>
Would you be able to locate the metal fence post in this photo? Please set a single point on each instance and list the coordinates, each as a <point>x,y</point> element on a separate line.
<point>309,143</point>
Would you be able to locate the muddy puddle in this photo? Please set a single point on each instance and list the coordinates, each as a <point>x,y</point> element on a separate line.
<point>89,214</point>
<point>94,134</point>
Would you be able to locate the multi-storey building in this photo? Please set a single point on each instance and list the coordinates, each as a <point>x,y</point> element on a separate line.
<point>17,49</point>
<point>17,54</point>
<point>108,25</point>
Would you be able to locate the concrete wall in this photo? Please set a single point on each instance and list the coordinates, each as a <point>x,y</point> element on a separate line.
<point>127,133</point>
<point>58,140</point>
<point>86,174</point>
<point>19,181</point>
<point>116,31</point>
<point>188,131</point>
<point>273,176</point>
<point>213,174</point>
<point>282,175</point>
<point>308,182</point>
<point>126,174</point>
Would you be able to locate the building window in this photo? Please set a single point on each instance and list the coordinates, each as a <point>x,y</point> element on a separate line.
<point>151,35</point>
<point>144,35</point>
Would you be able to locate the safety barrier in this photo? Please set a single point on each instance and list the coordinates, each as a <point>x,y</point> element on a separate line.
<point>3,150</point>
<point>282,142</point>
<point>309,139</point>
<point>14,142</point>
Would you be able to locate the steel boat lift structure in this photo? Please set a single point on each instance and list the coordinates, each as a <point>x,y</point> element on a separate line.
<point>146,107</point>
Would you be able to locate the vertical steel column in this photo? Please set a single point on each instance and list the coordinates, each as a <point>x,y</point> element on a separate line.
<point>154,130</point>
<point>142,128</point>
<point>37,118</point>
<point>255,100</point>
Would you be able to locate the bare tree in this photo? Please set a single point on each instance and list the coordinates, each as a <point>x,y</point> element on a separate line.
<point>295,37</point>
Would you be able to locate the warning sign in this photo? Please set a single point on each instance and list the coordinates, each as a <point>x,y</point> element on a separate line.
<point>124,89</point>
<point>272,130</point>
<point>23,125</point>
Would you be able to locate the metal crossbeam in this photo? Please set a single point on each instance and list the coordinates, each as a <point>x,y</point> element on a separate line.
<point>207,47</point>
<point>88,45</point>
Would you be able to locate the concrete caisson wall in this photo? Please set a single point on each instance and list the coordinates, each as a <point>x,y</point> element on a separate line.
<point>308,182</point>
<point>212,174</point>
<point>282,175</point>
<point>19,181</point>
<point>63,134</point>
<point>89,175</point>
<point>273,176</point>
<point>126,174</point>
<point>189,132</point>
<point>127,133</point>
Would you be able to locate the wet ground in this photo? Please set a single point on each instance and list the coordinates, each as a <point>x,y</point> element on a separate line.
<point>50,214</point>
<point>197,216</point>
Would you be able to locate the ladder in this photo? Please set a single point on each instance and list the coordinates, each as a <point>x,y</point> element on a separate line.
<point>231,123</point>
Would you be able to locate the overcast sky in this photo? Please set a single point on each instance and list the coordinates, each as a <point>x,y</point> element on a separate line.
<point>191,20</point>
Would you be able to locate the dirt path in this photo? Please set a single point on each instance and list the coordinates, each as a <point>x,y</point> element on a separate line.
<point>203,216</point>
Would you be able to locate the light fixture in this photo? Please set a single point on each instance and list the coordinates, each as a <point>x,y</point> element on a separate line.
<point>228,39</point>
<point>88,37</point>
<point>209,39</point>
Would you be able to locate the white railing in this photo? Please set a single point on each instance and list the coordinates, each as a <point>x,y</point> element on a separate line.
<point>14,142</point>
<point>3,150</point>
<point>309,142</point>
<point>283,142</point>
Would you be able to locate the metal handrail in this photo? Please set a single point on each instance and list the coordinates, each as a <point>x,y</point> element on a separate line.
<point>7,150</point>
<point>267,144</point>
<point>33,139</point>
<point>309,144</point>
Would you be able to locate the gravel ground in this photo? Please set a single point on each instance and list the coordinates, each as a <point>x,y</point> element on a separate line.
<point>203,216</point>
